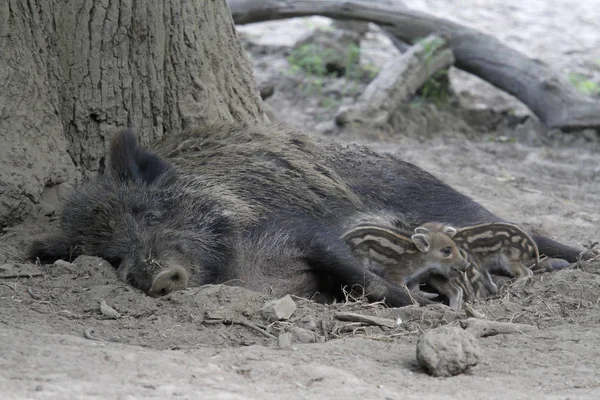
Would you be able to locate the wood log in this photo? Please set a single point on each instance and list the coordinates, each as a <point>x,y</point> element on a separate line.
<point>484,328</point>
<point>397,82</point>
<point>549,96</point>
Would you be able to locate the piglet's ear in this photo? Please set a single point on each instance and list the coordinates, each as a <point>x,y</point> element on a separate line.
<point>421,241</point>
<point>130,162</point>
<point>450,231</point>
<point>421,229</point>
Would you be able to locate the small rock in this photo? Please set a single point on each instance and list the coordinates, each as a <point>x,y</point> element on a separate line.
<point>61,267</point>
<point>280,309</point>
<point>326,127</point>
<point>303,336</point>
<point>284,340</point>
<point>94,266</point>
<point>447,351</point>
<point>411,326</point>
<point>309,324</point>
<point>587,304</point>
<point>108,311</point>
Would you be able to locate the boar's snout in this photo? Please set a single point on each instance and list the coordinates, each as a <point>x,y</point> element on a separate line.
<point>169,280</point>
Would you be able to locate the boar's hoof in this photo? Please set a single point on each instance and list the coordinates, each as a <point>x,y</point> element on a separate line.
<point>169,280</point>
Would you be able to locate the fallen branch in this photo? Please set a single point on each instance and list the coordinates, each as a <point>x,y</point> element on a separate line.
<point>34,295</point>
<point>472,312</point>
<point>21,275</point>
<point>549,96</point>
<point>398,81</point>
<point>483,328</point>
<point>365,319</point>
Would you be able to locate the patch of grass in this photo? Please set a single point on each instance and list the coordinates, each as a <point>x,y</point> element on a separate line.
<point>312,86</point>
<point>370,71</point>
<point>321,64</point>
<point>584,85</point>
<point>315,59</point>
<point>353,61</point>
<point>312,59</point>
<point>428,45</point>
<point>329,102</point>
<point>435,90</point>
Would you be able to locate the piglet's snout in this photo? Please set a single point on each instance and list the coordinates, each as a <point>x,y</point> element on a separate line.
<point>169,280</point>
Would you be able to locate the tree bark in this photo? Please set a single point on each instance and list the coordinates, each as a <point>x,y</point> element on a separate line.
<point>75,71</point>
<point>556,103</point>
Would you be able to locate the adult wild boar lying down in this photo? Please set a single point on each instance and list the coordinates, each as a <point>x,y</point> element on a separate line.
<point>257,206</point>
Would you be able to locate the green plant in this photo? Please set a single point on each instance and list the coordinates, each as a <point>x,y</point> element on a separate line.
<point>435,90</point>
<point>329,102</point>
<point>311,58</point>
<point>584,85</point>
<point>312,86</point>
<point>315,59</point>
<point>352,59</point>
<point>370,70</point>
<point>429,46</point>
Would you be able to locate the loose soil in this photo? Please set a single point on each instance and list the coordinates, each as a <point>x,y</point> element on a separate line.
<point>213,342</point>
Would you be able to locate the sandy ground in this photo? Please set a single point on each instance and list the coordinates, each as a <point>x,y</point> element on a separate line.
<point>214,343</point>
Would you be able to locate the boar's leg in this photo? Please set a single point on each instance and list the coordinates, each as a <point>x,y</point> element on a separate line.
<point>320,250</point>
<point>53,247</point>
<point>554,249</point>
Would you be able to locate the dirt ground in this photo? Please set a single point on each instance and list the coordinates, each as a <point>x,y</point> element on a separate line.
<point>213,342</point>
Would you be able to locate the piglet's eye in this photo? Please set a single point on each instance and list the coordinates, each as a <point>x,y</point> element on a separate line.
<point>446,251</point>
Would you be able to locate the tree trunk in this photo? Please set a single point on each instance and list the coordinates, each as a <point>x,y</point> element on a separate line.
<point>75,71</point>
<point>556,103</point>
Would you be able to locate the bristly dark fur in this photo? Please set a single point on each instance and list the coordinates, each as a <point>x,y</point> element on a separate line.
<point>211,201</point>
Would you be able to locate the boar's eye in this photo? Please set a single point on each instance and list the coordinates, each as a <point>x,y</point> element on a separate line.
<point>151,217</point>
<point>446,251</point>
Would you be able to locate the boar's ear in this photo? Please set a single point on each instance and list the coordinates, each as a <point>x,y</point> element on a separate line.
<point>129,161</point>
<point>51,248</point>
<point>421,241</point>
